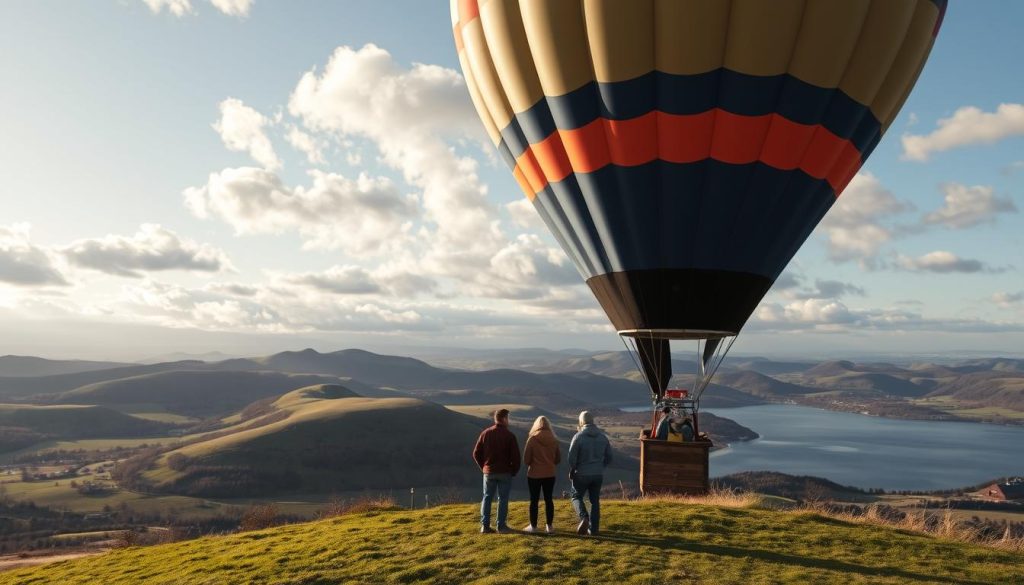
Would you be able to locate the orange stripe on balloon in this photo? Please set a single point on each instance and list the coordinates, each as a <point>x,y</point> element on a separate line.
<point>847,165</point>
<point>822,153</point>
<point>468,10</point>
<point>633,142</point>
<point>587,147</point>
<point>737,139</point>
<point>771,139</point>
<point>552,158</point>
<point>785,144</point>
<point>685,138</point>
<point>532,172</point>
<point>517,174</point>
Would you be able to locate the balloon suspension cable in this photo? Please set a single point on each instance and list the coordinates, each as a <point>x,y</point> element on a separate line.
<point>708,373</point>
<point>633,356</point>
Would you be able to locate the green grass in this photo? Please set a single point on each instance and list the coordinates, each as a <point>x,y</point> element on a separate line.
<point>649,542</point>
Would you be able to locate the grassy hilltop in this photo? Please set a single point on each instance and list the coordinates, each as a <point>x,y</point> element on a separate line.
<point>324,438</point>
<point>643,542</point>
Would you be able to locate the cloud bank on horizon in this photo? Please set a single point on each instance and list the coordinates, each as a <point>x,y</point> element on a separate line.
<point>379,170</point>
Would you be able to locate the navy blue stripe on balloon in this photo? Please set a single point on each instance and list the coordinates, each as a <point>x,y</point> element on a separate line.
<point>738,93</point>
<point>707,215</point>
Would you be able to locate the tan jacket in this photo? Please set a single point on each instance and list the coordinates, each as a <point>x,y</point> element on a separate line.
<point>541,455</point>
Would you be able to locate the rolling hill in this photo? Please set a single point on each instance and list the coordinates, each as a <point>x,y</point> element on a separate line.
<point>326,438</point>
<point>22,425</point>
<point>752,382</point>
<point>22,387</point>
<point>1000,388</point>
<point>190,393</point>
<point>412,375</point>
<point>19,366</point>
<point>643,543</point>
<point>885,379</point>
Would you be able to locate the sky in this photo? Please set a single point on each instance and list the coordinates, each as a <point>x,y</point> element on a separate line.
<point>250,176</point>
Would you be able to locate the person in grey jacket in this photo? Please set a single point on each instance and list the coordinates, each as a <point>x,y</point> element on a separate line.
<point>589,453</point>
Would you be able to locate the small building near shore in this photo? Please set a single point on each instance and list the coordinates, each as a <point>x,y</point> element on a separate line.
<point>1012,490</point>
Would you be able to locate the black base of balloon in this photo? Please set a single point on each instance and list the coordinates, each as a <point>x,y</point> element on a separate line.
<point>679,300</point>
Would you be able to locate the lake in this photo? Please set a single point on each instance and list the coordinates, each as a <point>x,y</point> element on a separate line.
<point>867,452</point>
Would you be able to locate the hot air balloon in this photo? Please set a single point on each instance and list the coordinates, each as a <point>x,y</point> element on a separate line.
<point>681,151</point>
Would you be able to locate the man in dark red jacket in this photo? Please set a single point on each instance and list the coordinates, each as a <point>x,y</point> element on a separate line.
<point>497,455</point>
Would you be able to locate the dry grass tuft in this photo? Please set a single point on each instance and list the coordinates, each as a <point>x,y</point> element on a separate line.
<point>259,517</point>
<point>941,525</point>
<point>359,505</point>
<point>716,496</point>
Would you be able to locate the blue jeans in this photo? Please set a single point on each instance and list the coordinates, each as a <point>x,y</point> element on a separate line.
<point>591,486</point>
<point>501,483</point>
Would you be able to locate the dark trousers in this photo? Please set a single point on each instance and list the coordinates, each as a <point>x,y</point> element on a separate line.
<point>548,485</point>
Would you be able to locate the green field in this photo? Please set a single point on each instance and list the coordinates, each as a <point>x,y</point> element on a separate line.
<point>88,445</point>
<point>642,542</point>
<point>984,413</point>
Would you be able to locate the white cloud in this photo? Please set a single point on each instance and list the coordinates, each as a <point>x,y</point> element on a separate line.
<point>524,215</point>
<point>175,7</point>
<point>233,7</point>
<point>408,114</point>
<point>786,281</point>
<point>176,306</point>
<point>233,289</point>
<point>969,206</point>
<point>525,268</point>
<point>242,129</point>
<point>306,144</point>
<point>1006,300</point>
<point>181,8</point>
<point>809,311</point>
<point>412,115</point>
<point>23,263</point>
<point>967,126</point>
<point>365,216</point>
<point>826,289</point>
<point>855,225</point>
<point>822,316</point>
<point>349,280</point>
<point>942,262</point>
<point>153,248</point>
<point>445,244</point>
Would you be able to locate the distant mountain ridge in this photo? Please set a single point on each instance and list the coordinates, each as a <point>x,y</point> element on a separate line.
<point>23,366</point>
<point>572,380</point>
<point>191,393</point>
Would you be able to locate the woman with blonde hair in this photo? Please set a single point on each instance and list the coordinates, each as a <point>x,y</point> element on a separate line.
<point>541,456</point>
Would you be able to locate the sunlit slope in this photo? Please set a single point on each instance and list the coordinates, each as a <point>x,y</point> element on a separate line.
<point>653,543</point>
<point>323,439</point>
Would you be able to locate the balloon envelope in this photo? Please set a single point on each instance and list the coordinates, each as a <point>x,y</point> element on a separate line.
<point>681,151</point>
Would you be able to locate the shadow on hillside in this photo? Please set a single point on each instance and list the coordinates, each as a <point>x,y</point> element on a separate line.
<point>681,544</point>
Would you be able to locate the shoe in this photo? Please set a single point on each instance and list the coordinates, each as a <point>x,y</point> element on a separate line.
<point>504,530</point>
<point>549,529</point>
<point>530,529</point>
<point>584,526</point>
<point>486,530</point>
<point>591,533</point>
